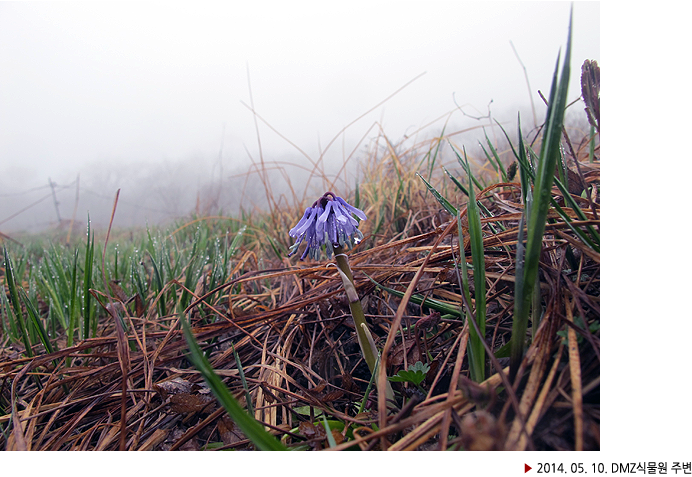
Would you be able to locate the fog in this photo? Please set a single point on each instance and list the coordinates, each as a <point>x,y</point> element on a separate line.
<point>157,99</point>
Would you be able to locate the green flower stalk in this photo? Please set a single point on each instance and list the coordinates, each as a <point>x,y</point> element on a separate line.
<point>368,349</point>
<point>327,227</point>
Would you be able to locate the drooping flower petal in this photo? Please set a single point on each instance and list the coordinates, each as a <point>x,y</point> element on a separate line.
<point>357,212</point>
<point>303,224</point>
<point>327,224</point>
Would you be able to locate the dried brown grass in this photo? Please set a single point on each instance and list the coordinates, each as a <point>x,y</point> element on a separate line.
<point>290,325</point>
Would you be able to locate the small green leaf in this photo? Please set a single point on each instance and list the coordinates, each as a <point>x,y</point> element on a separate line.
<point>423,368</point>
<point>305,411</point>
<point>414,375</point>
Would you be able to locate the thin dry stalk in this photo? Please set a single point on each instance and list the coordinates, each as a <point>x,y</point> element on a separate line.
<point>575,378</point>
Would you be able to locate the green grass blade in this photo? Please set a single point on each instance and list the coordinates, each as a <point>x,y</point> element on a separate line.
<point>17,315</point>
<point>276,248</point>
<point>137,280</point>
<point>517,339</point>
<point>158,284</point>
<point>420,300</point>
<point>595,243</point>
<point>461,187</point>
<point>528,176</point>
<point>356,200</point>
<point>562,168</point>
<point>495,156</point>
<point>236,241</point>
<point>57,309</point>
<point>466,166</point>
<point>456,181</point>
<point>74,302</point>
<point>444,202</point>
<point>368,389</point>
<point>476,348</point>
<point>550,154</point>
<point>464,266</point>
<point>250,427</point>
<point>330,437</point>
<point>9,327</point>
<point>248,399</point>
<point>53,279</point>
<point>433,159</point>
<point>36,321</point>
<point>592,144</point>
<point>88,311</point>
<point>536,308</point>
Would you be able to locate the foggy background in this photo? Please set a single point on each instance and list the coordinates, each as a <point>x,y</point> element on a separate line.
<point>154,98</point>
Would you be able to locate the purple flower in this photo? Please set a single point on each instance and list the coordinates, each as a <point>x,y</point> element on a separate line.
<point>328,222</point>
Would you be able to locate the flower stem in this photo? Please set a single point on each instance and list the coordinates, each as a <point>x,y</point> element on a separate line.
<point>356,308</point>
<point>367,347</point>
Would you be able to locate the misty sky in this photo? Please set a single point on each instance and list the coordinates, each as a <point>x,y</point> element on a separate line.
<point>90,87</point>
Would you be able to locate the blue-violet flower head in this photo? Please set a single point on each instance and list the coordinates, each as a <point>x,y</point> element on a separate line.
<point>328,222</point>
